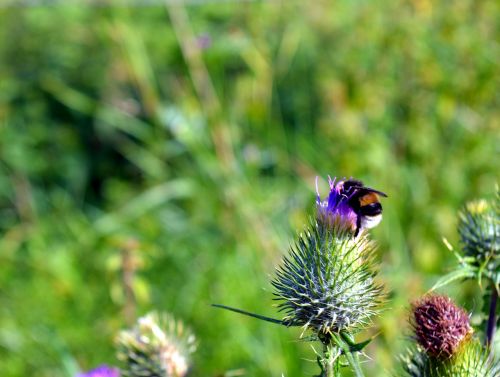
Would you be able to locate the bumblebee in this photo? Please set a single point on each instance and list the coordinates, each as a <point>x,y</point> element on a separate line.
<point>364,201</point>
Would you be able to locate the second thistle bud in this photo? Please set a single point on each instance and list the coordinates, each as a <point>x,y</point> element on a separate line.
<point>446,347</point>
<point>440,326</point>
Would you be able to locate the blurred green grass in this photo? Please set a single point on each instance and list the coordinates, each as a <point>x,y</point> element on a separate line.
<point>192,137</point>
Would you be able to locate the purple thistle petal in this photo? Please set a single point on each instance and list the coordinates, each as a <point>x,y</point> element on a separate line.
<point>335,210</point>
<point>101,371</point>
<point>439,325</point>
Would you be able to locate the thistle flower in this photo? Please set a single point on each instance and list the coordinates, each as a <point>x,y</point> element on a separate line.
<point>440,326</point>
<point>101,371</point>
<point>479,229</point>
<point>327,284</point>
<point>335,212</point>
<point>158,346</point>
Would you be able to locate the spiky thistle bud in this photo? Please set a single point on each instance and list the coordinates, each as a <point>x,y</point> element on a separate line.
<point>327,283</point>
<point>440,326</point>
<point>479,229</point>
<point>158,346</point>
<point>445,345</point>
<point>101,371</point>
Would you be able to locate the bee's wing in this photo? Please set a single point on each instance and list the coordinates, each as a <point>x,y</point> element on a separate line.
<point>375,191</point>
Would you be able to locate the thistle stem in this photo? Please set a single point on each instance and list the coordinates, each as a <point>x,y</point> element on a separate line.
<point>352,357</point>
<point>490,327</point>
<point>355,364</point>
<point>330,361</point>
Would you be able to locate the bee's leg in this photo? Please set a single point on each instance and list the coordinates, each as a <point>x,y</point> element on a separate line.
<point>358,225</point>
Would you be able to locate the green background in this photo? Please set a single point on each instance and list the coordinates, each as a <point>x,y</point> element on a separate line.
<point>190,138</point>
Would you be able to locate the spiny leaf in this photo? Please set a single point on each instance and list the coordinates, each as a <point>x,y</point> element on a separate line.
<point>463,272</point>
<point>258,316</point>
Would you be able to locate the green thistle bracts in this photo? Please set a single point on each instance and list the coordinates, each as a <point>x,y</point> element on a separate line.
<point>479,229</point>
<point>470,361</point>
<point>158,346</point>
<point>479,252</point>
<point>326,283</point>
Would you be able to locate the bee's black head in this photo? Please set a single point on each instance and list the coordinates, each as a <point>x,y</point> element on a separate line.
<point>351,186</point>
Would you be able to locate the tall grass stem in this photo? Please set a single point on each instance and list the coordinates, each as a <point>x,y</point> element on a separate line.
<point>490,327</point>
